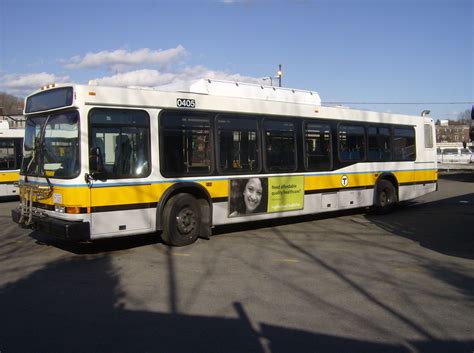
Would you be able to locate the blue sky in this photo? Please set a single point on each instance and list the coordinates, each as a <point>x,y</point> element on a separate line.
<point>349,51</point>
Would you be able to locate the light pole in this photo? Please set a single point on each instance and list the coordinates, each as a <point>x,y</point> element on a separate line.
<point>268,78</point>
<point>279,75</point>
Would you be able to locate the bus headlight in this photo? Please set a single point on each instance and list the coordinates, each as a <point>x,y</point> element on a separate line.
<point>59,208</point>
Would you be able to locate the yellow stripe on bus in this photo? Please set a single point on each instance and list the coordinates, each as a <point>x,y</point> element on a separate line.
<point>320,182</point>
<point>122,195</point>
<point>216,188</point>
<point>416,176</point>
<point>9,177</point>
<point>136,194</point>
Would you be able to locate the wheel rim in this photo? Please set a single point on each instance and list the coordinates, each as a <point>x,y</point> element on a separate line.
<point>186,220</point>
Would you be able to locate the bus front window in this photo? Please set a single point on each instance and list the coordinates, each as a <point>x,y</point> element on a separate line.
<point>52,150</point>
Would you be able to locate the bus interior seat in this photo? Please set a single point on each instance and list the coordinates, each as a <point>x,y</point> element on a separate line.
<point>123,152</point>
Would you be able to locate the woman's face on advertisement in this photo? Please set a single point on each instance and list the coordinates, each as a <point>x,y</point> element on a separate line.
<point>252,194</point>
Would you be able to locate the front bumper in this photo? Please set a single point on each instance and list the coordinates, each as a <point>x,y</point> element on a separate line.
<point>67,230</point>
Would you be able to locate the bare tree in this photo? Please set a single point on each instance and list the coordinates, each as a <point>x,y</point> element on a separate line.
<point>465,117</point>
<point>10,105</point>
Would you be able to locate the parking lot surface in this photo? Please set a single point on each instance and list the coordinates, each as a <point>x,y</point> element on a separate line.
<point>345,282</point>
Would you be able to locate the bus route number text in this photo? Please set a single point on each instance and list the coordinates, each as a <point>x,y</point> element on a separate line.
<point>185,103</point>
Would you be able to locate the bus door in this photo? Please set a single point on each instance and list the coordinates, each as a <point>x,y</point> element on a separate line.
<point>119,164</point>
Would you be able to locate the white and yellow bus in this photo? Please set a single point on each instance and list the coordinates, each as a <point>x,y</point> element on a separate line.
<point>105,162</point>
<point>11,147</point>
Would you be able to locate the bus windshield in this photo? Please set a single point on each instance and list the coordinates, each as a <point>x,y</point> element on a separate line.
<point>51,146</point>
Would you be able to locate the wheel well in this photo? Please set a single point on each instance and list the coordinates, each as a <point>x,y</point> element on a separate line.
<point>197,192</point>
<point>389,177</point>
<point>204,201</point>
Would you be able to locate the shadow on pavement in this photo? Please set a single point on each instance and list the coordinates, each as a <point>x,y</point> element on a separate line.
<point>447,226</point>
<point>268,223</point>
<point>97,246</point>
<point>444,226</point>
<point>134,241</point>
<point>76,306</point>
<point>462,176</point>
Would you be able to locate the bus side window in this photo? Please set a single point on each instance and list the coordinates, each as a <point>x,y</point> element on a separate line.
<point>404,146</point>
<point>280,145</point>
<point>317,147</point>
<point>351,142</point>
<point>428,134</point>
<point>379,146</point>
<point>123,137</point>
<point>237,144</point>
<point>7,154</point>
<point>185,144</point>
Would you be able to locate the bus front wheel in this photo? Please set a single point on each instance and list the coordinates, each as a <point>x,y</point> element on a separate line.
<point>181,220</point>
<point>386,197</point>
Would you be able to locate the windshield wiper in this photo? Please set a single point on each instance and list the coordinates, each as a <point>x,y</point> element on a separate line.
<point>33,160</point>
<point>42,150</point>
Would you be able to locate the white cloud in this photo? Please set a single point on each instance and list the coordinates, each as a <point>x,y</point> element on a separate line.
<point>120,59</point>
<point>137,68</point>
<point>197,72</point>
<point>141,78</point>
<point>22,84</point>
<point>155,78</point>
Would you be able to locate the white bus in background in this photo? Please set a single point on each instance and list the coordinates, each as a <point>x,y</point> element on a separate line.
<point>454,155</point>
<point>107,162</point>
<point>11,147</point>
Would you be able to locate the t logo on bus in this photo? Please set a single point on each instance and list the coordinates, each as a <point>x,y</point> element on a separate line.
<point>344,180</point>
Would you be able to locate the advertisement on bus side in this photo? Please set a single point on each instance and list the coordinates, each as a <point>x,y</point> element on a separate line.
<point>265,195</point>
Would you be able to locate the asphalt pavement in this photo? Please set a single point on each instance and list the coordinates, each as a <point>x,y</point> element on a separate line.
<point>345,282</point>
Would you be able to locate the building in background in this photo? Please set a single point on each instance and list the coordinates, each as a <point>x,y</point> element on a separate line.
<point>448,131</point>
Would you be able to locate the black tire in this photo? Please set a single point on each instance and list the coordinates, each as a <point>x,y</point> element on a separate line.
<point>181,220</point>
<point>385,198</point>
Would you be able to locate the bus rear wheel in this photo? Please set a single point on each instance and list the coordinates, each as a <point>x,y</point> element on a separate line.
<point>386,197</point>
<point>181,220</point>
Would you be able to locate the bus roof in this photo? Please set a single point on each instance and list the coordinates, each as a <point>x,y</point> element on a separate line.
<point>303,102</point>
<point>247,90</point>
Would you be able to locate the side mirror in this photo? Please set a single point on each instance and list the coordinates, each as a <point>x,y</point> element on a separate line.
<point>96,164</point>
